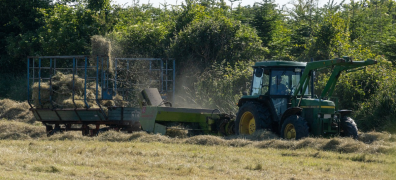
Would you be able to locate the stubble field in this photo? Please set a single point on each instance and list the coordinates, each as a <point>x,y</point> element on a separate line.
<point>26,153</point>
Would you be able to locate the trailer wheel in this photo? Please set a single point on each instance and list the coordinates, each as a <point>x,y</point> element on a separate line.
<point>252,116</point>
<point>294,127</point>
<point>348,128</point>
<point>49,130</point>
<point>85,130</point>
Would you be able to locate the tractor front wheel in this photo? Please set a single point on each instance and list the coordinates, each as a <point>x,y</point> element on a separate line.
<point>349,128</point>
<point>252,116</point>
<point>294,127</point>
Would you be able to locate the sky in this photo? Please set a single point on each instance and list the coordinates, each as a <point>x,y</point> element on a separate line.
<point>156,3</point>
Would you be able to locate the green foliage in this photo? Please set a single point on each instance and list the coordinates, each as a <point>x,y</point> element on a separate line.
<point>17,18</point>
<point>378,111</point>
<point>67,30</point>
<point>370,93</point>
<point>97,5</point>
<point>136,39</point>
<point>13,87</point>
<point>221,86</point>
<point>213,40</point>
<point>266,19</point>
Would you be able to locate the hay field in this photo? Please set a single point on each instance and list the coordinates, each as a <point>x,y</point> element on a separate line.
<point>26,153</point>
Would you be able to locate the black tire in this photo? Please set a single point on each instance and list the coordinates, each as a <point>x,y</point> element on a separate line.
<point>261,115</point>
<point>348,128</point>
<point>85,130</point>
<point>49,130</point>
<point>299,125</point>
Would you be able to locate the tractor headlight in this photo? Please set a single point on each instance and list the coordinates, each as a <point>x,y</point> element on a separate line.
<point>335,116</point>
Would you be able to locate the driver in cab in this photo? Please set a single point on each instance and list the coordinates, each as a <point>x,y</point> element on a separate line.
<point>278,88</point>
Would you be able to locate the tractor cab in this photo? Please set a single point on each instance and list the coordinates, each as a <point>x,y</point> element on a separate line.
<point>277,81</point>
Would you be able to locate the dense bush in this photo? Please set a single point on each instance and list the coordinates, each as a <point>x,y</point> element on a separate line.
<point>221,86</point>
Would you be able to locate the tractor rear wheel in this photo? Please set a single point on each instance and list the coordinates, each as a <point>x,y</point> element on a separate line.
<point>294,127</point>
<point>349,128</point>
<point>252,116</point>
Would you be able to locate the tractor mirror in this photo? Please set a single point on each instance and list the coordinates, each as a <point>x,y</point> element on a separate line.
<point>258,72</point>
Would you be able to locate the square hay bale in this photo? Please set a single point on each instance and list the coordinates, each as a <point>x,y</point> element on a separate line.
<point>101,46</point>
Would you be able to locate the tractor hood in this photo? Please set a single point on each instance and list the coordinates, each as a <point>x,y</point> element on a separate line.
<point>315,103</point>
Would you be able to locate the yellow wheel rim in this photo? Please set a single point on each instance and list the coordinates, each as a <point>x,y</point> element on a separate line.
<point>290,131</point>
<point>247,125</point>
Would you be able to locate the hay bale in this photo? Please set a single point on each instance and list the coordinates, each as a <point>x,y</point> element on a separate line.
<point>101,46</point>
<point>44,95</point>
<point>62,96</point>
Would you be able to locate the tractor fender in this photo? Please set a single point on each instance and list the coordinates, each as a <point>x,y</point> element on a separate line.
<point>344,112</point>
<point>289,112</point>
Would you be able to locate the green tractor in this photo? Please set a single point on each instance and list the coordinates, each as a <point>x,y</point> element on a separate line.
<point>281,100</point>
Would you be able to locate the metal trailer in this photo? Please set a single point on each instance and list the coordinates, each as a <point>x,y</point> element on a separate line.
<point>98,77</point>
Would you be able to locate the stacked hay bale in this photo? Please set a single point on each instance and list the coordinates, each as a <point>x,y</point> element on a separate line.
<point>101,47</point>
<point>62,92</point>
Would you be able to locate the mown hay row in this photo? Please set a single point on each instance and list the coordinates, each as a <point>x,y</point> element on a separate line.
<point>20,131</point>
<point>384,143</point>
<point>13,110</point>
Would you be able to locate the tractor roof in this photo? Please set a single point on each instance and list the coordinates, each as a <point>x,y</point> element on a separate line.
<point>280,64</point>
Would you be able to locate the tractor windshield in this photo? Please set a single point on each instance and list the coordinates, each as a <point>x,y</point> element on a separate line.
<point>284,82</point>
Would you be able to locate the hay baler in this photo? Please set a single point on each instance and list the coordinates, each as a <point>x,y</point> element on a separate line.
<point>158,116</point>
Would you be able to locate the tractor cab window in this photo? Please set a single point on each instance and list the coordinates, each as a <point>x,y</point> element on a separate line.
<point>260,81</point>
<point>284,82</point>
